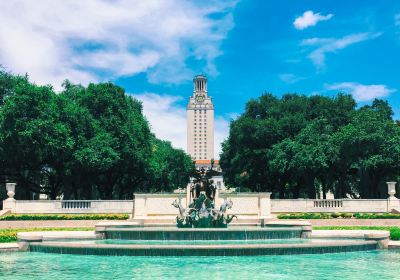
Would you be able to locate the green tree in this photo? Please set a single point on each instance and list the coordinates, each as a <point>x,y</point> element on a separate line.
<point>170,168</point>
<point>297,146</point>
<point>85,142</point>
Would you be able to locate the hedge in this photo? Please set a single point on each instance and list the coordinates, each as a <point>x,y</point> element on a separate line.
<point>339,215</point>
<point>37,217</point>
<point>10,235</point>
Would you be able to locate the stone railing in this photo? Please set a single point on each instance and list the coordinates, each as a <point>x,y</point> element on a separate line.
<point>159,205</point>
<point>333,205</point>
<point>76,204</point>
<point>69,206</point>
<point>328,203</point>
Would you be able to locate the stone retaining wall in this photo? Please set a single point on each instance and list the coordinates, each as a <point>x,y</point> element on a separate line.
<point>92,223</point>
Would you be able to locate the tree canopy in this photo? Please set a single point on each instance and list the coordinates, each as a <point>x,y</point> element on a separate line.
<point>82,143</point>
<point>298,146</point>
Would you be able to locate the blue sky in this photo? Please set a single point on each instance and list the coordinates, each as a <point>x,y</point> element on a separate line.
<point>153,49</point>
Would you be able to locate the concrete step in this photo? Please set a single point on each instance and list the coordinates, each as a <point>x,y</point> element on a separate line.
<point>5,212</point>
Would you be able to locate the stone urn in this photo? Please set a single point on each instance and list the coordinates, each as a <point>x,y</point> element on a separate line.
<point>10,190</point>
<point>391,189</point>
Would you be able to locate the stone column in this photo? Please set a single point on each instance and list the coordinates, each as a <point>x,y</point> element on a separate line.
<point>139,214</point>
<point>216,198</point>
<point>188,195</point>
<point>265,206</point>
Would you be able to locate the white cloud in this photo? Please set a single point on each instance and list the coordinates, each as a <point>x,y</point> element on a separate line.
<point>331,45</point>
<point>309,19</point>
<point>96,40</point>
<point>221,132</point>
<point>168,120</point>
<point>362,92</point>
<point>290,78</point>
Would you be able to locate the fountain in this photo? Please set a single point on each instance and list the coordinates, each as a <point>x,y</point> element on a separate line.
<point>202,213</point>
<point>202,230</point>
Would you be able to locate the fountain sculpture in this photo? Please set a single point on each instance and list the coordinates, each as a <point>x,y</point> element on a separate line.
<point>202,212</point>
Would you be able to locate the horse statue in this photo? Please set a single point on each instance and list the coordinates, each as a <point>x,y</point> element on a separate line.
<point>183,219</point>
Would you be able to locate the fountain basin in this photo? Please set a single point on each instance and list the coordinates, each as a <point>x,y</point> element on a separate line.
<point>232,249</point>
<point>281,238</point>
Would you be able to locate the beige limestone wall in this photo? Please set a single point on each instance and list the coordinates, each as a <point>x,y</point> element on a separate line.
<point>159,206</point>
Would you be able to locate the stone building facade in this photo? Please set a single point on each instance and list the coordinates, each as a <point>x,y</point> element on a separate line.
<point>200,121</point>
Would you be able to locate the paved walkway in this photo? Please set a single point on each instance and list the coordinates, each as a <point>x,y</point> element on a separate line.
<point>49,224</point>
<point>91,223</point>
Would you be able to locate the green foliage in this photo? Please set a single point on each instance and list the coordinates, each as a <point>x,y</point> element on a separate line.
<point>376,216</point>
<point>83,143</point>
<point>37,217</point>
<point>394,231</point>
<point>305,216</point>
<point>299,146</point>
<point>170,167</point>
<point>10,235</point>
<point>338,215</point>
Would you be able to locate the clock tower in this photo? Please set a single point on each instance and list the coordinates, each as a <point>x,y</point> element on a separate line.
<point>200,121</point>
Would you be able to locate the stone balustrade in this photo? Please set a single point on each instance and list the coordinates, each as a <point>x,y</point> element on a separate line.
<point>69,206</point>
<point>158,206</point>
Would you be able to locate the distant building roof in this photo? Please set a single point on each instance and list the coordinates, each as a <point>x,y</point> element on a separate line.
<point>206,161</point>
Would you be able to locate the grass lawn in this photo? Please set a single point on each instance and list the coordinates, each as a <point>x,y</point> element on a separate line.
<point>394,231</point>
<point>10,235</point>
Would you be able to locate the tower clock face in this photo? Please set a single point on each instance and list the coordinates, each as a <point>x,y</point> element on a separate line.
<point>199,98</point>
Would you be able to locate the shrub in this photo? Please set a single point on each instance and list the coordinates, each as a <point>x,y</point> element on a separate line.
<point>336,215</point>
<point>346,215</point>
<point>35,217</point>
<point>8,236</point>
<point>376,216</point>
<point>305,216</point>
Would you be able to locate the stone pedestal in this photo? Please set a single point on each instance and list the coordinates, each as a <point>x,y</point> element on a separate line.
<point>265,205</point>
<point>10,202</point>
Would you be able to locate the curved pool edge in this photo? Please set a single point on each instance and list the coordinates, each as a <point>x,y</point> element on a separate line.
<point>71,242</point>
<point>203,250</point>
